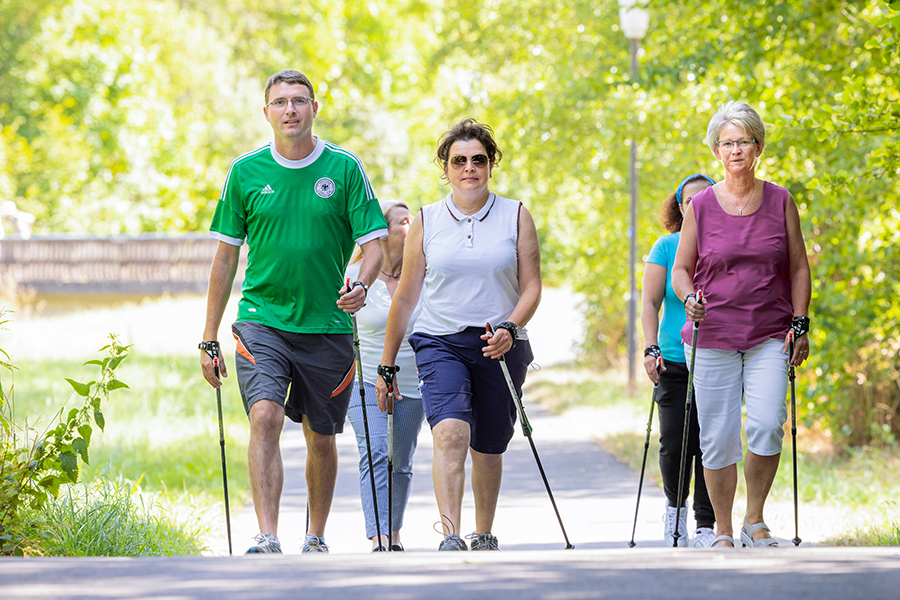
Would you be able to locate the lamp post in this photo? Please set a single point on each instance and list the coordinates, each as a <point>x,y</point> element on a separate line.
<point>634,21</point>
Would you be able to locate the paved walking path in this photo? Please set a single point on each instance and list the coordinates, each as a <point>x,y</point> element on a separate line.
<point>594,492</point>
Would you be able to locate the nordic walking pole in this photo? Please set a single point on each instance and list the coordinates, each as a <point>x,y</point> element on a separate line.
<point>631,544</point>
<point>526,429</point>
<point>389,401</point>
<point>212,348</point>
<point>688,403</point>
<point>362,402</point>
<point>387,374</point>
<point>796,539</point>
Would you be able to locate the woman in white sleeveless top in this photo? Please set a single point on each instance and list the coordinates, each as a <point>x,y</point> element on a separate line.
<point>474,258</point>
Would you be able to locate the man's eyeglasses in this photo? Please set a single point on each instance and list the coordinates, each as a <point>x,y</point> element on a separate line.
<point>728,144</point>
<point>479,160</point>
<point>298,102</point>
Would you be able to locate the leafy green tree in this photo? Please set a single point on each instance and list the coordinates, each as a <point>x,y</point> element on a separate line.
<point>124,117</point>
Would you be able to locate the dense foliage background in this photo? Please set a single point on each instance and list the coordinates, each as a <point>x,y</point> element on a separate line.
<point>122,116</point>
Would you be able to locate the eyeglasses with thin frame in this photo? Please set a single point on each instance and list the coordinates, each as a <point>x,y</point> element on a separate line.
<point>742,144</point>
<point>298,102</point>
<point>479,161</point>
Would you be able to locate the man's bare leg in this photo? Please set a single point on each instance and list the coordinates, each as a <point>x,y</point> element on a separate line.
<point>321,475</point>
<point>264,461</point>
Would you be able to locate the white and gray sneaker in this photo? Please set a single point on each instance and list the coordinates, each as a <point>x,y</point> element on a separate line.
<point>314,544</point>
<point>704,537</point>
<point>265,544</point>
<point>669,528</point>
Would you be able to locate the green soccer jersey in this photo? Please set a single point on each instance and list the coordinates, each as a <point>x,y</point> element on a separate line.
<point>301,220</point>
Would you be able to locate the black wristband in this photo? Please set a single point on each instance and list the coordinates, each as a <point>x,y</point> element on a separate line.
<point>800,325</point>
<point>691,295</point>
<point>211,348</point>
<point>387,374</point>
<point>653,351</point>
<point>512,328</point>
<point>364,286</point>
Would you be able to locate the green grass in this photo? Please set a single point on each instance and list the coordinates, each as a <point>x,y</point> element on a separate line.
<point>162,432</point>
<point>864,480</point>
<point>110,518</point>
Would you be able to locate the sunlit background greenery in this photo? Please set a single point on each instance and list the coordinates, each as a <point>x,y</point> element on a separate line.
<point>122,116</point>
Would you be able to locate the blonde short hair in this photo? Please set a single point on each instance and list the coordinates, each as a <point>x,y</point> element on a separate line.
<point>736,113</point>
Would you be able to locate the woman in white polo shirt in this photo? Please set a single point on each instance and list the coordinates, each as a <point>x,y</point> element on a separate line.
<point>474,258</point>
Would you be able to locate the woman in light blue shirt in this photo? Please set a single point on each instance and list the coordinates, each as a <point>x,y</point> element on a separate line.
<point>662,337</point>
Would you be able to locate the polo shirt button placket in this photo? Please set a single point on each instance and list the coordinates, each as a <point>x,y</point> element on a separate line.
<point>469,242</point>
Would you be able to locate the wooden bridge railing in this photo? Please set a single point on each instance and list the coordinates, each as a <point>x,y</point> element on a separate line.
<point>147,264</point>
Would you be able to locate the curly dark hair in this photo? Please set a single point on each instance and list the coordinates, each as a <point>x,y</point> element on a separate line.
<point>465,130</point>
<point>670,214</point>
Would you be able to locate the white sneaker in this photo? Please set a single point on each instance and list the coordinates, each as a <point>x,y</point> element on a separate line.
<point>669,528</point>
<point>704,537</point>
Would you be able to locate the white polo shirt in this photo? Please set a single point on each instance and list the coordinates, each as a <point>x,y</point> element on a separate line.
<point>471,266</point>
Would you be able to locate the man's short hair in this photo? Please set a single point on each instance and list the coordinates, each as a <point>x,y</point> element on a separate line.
<point>289,76</point>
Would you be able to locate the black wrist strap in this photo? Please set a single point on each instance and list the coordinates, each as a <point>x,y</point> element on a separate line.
<point>512,328</point>
<point>364,286</point>
<point>800,325</point>
<point>387,374</point>
<point>653,350</point>
<point>211,348</point>
<point>691,295</point>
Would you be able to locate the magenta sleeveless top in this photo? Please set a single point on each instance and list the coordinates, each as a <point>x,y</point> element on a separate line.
<point>743,270</point>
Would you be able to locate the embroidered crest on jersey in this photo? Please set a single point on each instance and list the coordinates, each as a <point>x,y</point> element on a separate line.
<point>325,188</point>
<point>267,190</point>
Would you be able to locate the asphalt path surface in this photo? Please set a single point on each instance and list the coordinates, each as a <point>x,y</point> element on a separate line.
<point>595,494</point>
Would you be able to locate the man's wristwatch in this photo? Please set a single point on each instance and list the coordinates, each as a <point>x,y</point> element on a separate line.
<point>364,286</point>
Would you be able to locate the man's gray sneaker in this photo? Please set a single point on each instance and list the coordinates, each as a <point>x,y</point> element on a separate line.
<point>314,544</point>
<point>484,541</point>
<point>453,542</point>
<point>265,544</point>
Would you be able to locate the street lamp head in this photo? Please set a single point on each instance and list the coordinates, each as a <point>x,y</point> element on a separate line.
<point>634,20</point>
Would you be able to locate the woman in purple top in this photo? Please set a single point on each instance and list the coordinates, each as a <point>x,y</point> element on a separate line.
<point>741,244</point>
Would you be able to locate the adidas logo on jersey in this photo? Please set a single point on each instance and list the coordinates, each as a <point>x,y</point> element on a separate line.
<point>267,190</point>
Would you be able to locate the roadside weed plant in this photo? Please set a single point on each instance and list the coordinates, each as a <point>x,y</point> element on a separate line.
<point>111,518</point>
<point>34,465</point>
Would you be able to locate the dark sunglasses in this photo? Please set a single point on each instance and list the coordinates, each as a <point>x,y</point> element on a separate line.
<point>479,160</point>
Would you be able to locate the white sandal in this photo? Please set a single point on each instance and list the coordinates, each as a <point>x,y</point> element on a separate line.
<point>723,538</point>
<point>747,540</point>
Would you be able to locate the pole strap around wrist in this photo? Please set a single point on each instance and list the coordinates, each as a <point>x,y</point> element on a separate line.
<point>800,325</point>
<point>211,347</point>
<point>653,350</point>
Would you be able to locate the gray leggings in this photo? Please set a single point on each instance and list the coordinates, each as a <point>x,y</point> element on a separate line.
<point>408,416</point>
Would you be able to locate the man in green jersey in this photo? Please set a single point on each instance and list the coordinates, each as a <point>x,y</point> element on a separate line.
<point>302,204</point>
